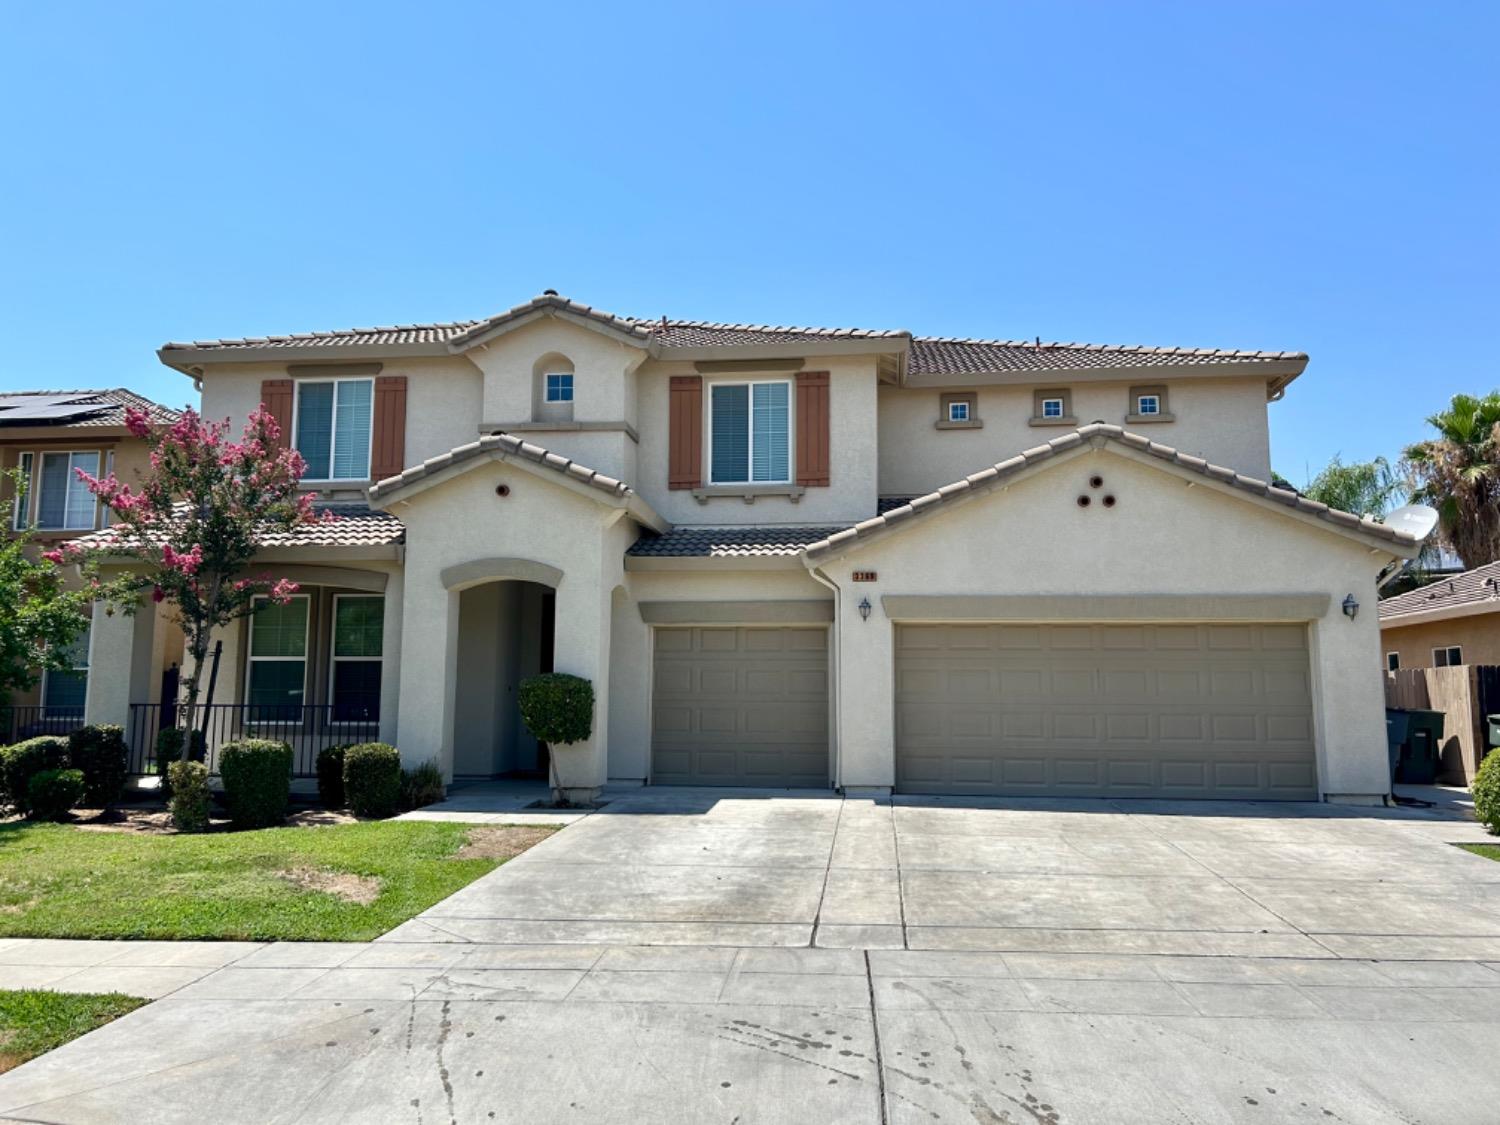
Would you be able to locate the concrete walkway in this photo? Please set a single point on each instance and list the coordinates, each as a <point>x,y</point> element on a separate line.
<point>705,957</point>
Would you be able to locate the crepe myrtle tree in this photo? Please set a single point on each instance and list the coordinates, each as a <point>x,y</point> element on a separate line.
<point>189,531</point>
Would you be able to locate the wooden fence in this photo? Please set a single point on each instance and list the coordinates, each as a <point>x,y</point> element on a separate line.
<point>1465,695</point>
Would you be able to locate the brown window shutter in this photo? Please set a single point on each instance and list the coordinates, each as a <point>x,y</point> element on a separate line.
<point>388,443</point>
<point>276,398</point>
<point>812,429</point>
<point>685,432</point>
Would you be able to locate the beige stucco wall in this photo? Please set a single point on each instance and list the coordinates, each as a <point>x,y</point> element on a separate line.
<point>1478,635</point>
<point>1163,537</point>
<point>1223,420</point>
<point>851,492</point>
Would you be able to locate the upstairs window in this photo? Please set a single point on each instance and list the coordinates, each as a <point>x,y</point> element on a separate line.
<point>750,433</point>
<point>958,411</point>
<point>1052,408</point>
<point>358,639</point>
<point>276,678</point>
<point>19,506</point>
<point>559,387</point>
<point>63,502</point>
<point>333,428</point>
<point>1450,656</point>
<point>1147,404</point>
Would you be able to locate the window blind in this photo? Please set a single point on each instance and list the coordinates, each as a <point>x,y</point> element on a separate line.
<point>730,417</point>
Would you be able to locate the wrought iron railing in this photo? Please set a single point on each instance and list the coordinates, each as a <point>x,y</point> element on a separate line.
<point>17,723</point>
<point>307,728</point>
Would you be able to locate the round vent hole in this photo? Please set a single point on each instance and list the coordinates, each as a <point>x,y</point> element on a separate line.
<point>1083,501</point>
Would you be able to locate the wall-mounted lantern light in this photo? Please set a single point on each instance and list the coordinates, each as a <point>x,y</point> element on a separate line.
<point>1351,607</point>
<point>864,608</point>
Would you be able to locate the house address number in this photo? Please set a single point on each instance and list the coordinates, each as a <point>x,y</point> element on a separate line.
<point>864,576</point>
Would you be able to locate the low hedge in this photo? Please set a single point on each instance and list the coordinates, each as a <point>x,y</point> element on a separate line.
<point>422,786</point>
<point>331,776</point>
<point>257,775</point>
<point>51,793</point>
<point>99,753</point>
<point>24,760</point>
<point>372,779</point>
<point>190,796</point>
<point>1486,793</point>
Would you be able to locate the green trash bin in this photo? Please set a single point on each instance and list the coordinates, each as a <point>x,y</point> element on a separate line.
<point>1494,723</point>
<point>1418,764</point>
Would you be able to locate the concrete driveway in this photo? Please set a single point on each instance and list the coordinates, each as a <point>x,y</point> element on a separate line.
<point>694,956</point>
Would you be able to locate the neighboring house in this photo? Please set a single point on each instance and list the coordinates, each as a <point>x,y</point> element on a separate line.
<point>48,435</point>
<point>805,557</point>
<point>1451,621</point>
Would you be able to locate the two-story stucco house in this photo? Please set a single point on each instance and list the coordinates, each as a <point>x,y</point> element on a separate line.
<point>817,557</point>
<point>44,437</point>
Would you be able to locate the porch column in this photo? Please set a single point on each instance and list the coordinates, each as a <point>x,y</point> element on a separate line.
<point>429,671</point>
<point>390,661</point>
<point>1349,703</point>
<point>582,649</point>
<point>864,656</point>
<point>121,648</point>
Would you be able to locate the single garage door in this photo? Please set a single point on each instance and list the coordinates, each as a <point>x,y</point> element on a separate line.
<point>1169,710</point>
<point>740,706</point>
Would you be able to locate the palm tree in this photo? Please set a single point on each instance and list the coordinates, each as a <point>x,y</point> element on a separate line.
<point>1458,473</point>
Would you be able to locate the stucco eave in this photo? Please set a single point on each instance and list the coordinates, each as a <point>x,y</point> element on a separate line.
<point>1277,373</point>
<point>714,564</point>
<point>890,345</point>
<point>1443,613</point>
<point>191,361</point>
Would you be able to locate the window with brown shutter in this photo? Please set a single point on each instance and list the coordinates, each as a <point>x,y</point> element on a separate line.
<point>276,397</point>
<point>388,441</point>
<point>812,429</point>
<point>685,432</point>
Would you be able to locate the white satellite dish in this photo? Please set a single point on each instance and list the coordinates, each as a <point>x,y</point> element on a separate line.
<point>1416,520</point>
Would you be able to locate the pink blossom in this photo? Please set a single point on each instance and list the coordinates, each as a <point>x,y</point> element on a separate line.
<point>138,422</point>
<point>283,590</point>
<point>187,562</point>
<point>157,594</point>
<point>54,557</point>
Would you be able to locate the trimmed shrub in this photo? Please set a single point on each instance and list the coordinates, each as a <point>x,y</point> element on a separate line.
<point>99,753</point>
<point>331,776</point>
<point>1486,791</point>
<point>372,779</point>
<point>51,793</point>
<point>422,786</point>
<point>557,708</point>
<point>190,796</point>
<point>169,750</point>
<point>257,775</point>
<point>21,762</point>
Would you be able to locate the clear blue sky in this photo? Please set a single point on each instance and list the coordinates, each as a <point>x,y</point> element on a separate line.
<point>1313,176</point>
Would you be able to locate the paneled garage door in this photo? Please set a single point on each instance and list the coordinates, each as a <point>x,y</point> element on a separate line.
<point>740,706</point>
<point>1170,710</point>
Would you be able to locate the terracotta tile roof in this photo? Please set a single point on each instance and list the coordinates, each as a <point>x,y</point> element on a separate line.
<point>986,478</point>
<point>927,355</point>
<point>729,542</point>
<point>100,408</point>
<point>1471,588</point>
<point>509,445</point>
<point>355,525</point>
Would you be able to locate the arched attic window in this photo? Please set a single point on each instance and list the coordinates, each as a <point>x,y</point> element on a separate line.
<point>552,389</point>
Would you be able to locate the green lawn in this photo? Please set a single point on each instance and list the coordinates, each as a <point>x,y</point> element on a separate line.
<point>297,884</point>
<point>32,1022</point>
<point>1489,851</point>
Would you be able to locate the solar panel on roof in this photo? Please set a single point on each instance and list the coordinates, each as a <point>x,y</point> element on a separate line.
<point>40,408</point>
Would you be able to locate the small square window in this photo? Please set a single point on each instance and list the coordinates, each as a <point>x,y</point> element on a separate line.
<point>1393,662</point>
<point>958,412</point>
<point>559,388</point>
<point>1450,656</point>
<point>1052,408</point>
<point>1148,404</point>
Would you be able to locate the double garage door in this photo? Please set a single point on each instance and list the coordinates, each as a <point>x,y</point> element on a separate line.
<point>740,706</point>
<point>1168,710</point>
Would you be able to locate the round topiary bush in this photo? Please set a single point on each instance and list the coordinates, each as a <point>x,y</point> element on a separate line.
<point>51,793</point>
<point>557,708</point>
<point>331,776</point>
<point>1486,792</point>
<point>99,753</point>
<point>21,762</point>
<point>257,775</point>
<point>372,779</point>
<point>190,796</point>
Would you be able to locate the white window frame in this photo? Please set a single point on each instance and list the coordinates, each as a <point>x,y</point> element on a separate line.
<point>333,425</point>
<point>1393,662</point>
<point>1047,408</point>
<point>791,433</point>
<point>958,411</point>
<point>1447,651</point>
<point>1140,405</point>
<point>20,507</point>
<point>334,657</point>
<point>84,668</point>
<point>251,659</point>
<point>34,496</point>
<point>547,378</point>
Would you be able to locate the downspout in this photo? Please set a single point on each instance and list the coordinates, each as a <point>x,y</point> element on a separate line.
<point>836,653</point>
